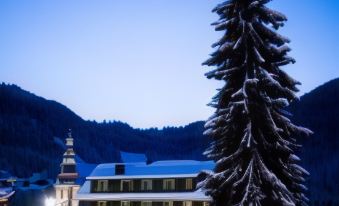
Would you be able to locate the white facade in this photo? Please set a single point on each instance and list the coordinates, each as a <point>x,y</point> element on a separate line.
<point>65,195</point>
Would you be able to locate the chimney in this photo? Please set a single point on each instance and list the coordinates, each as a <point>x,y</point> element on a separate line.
<point>119,169</point>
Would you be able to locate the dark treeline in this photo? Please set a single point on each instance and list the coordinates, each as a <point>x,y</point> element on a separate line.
<point>28,125</point>
<point>319,111</point>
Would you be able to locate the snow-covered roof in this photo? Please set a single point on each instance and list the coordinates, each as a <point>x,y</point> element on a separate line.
<point>159,169</point>
<point>6,192</point>
<point>4,175</point>
<point>84,194</point>
<point>128,157</point>
<point>84,170</point>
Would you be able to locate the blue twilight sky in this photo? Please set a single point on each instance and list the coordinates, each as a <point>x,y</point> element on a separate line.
<point>139,61</point>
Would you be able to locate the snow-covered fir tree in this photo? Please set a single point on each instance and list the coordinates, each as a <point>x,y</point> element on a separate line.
<point>253,139</point>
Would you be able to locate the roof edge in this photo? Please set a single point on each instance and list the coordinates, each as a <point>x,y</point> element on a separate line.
<point>113,177</point>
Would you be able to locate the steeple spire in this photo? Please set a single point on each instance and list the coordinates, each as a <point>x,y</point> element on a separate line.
<point>68,174</point>
<point>69,139</point>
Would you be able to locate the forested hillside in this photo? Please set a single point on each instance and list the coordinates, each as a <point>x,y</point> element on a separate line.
<point>28,125</point>
<point>319,111</point>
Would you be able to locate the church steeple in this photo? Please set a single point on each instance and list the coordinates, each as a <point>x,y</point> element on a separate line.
<point>66,186</point>
<point>68,174</point>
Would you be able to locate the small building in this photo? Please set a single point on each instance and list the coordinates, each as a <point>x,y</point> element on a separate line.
<point>6,188</point>
<point>66,186</point>
<point>4,197</point>
<point>134,182</point>
<point>161,183</point>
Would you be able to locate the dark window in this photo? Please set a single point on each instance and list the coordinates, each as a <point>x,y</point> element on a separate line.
<point>114,185</point>
<point>196,203</point>
<point>126,185</point>
<point>94,186</point>
<point>136,185</point>
<point>157,185</point>
<point>115,203</point>
<point>156,203</point>
<point>69,169</point>
<point>82,203</point>
<point>180,184</point>
<point>136,203</point>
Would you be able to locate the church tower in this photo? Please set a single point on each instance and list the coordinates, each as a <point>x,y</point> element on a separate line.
<point>66,186</point>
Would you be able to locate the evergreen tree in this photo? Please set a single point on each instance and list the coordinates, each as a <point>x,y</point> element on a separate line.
<point>253,139</point>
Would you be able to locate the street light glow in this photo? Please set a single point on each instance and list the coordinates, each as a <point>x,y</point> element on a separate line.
<point>49,201</point>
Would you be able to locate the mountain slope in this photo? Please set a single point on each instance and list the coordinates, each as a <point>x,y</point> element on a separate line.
<point>319,111</point>
<point>28,124</point>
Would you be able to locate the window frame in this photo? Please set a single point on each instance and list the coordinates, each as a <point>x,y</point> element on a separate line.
<point>170,203</point>
<point>128,203</point>
<point>149,185</point>
<point>130,185</point>
<point>147,203</point>
<point>165,181</point>
<point>104,187</point>
<point>102,202</point>
<point>189,184</point>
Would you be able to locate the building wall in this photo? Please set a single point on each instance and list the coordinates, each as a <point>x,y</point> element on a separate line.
<point>65,195</point>
<point>4,202</point>
<point>75,190</point>
<point>137,185</point>
<point>143,203</point>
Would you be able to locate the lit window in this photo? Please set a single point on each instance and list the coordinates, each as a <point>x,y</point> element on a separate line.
<point>187,203</point>
<point>146,185</point>
<point>206,203</point>
<point>125,203</point>
<point>189,184</point>
<point>146,203</point>
<point>102,185</point>
<point>168,203</point>
<point>102,203</point>
<point>168,184</point>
